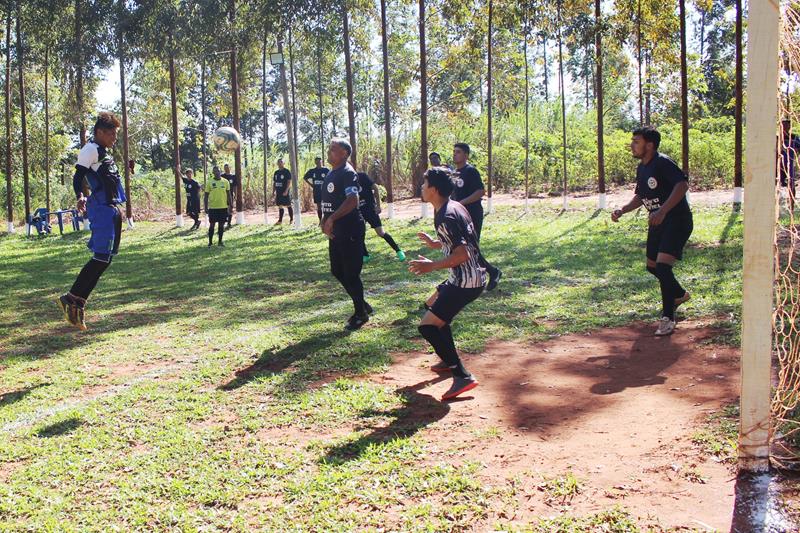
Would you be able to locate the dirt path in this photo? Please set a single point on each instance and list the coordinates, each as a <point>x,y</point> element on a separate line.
<point>616,407</point>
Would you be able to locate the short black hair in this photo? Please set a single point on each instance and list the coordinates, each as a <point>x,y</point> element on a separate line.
<point>344,143</point>
<point>434,154</point>
<point>464,147</point>
<point>649,134</point>
<point>318,158</point>
<point>440,179</point>
<point>106,121</point>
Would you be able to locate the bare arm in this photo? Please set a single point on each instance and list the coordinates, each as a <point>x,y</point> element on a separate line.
<point>474,197</point>
<point>677,194</point>
<point>635,203</point>
<point>429,241</point>
<point>423,265</point>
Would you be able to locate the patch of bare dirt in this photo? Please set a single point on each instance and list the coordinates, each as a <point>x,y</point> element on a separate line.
<point>616,407</point>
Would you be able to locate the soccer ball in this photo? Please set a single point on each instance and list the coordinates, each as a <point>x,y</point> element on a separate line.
<point>227,138</point>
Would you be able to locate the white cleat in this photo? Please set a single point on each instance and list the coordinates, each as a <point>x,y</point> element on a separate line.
<point>665,327</point>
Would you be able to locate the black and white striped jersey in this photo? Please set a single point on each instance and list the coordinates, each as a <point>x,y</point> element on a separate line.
<point>454,228</point>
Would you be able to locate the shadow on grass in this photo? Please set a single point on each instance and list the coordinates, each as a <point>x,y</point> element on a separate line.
<point>274,362</point>
<point>418,411</point>
<point>7,398</point>
<point>60,428</point>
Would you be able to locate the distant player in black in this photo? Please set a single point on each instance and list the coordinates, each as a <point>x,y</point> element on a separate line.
<point>234,183</point>
<point>661,188</point>
<point>468,191</point>
<point>280,186</point>
<point>369,203</point>
<point>316,177</point>
<point>96,174</point>
<point>192,197</point>
<point>342,223</point>
<point>787,163</point>
<point>458,241</point>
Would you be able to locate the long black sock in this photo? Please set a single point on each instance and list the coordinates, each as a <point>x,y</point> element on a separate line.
<point>88,278</point>
<point>211,231</point>
<point>652,270</point>
<point>388,238</point>
<point>220,232</point>
<point>291,214</point>
<point>490,269</point>
<point>280,215</point>
<point>441,339</point>
<point>670,289</point>
<point>355,288</point>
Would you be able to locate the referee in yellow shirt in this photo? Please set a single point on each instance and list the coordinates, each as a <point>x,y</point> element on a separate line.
<point>218,200</point>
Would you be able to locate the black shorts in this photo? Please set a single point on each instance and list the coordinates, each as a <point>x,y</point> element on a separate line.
<point>283,200</point>
<point>346,255</point>
<point>218,215</point>
<point>371,217</point>
<point>451,300</point>
<point>670,237</point>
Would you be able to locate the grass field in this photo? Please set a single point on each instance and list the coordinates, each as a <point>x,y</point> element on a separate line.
<point>180,408</point>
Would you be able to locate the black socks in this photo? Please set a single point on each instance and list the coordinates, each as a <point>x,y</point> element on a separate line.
<point>442,341</point>
<point>670,289</point>
<point>388,239</point>
<point>88,278</point>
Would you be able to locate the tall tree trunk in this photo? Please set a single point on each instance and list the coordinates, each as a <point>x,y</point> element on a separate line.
<point>9,194</point>
<point>124,105</point>
<point>423,101</point>
<point>292,86</point>
<point>525,36</point>
<point>546,75</point>
<point>319,95</point>
<point>47,126</point>
<point>598,42</point>
<point>23,119</point>
<point>489,102</point>
<point>684,91</point>
<point>203,124</point>
<point>79,97</point>
<point>648,88</point>
<point>287,112</point>
<point>387,109</point>
<point>348,66</point>
<point>265,125</point>
<point>737,164</point>
<point>237,154</point>
<point>176,151</point>
<point>639,59</point>
<point>563,107</point>
<point>702,34</point>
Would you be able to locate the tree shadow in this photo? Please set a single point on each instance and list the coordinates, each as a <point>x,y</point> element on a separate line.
<point>60,428</point>
<point>274,362</point>
<point>640,368</point>
<point>7,398</point>
<point>417,412</point>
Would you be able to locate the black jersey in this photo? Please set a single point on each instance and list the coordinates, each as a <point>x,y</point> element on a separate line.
<point>454,228</point>
<point>316,178</point>
<point>339,184</point>
<point>655,181</point>
<point>232,180</point>
<point>192,188</point>
<point>280,181</point>
<point>366,196</point>
<point>466,181</point>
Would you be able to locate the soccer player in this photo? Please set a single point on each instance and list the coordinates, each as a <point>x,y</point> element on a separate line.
<point>661,188</point>
<point>98,176</point>
<point>280,185</point>
<point>192,197</point>
<point>342,223</point>
<point>316,177</point>
<point>369,203</point>
<point>458,240</point>
<point>468,191</point>
<point>218,202</point>
<point>234,182</point>
<point>787,167</point>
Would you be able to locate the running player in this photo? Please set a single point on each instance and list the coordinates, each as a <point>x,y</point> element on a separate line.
<point>234,182</point>
<point>661,187</point>
<point>218,202</point>
<point>342,223</point>
<point>98,176</point>
<point>192,197</point>
<point>316,177</point>
<point>280,185</point>
<point>369,203</point>
<point>468,191</point>
<point>459,243</point>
